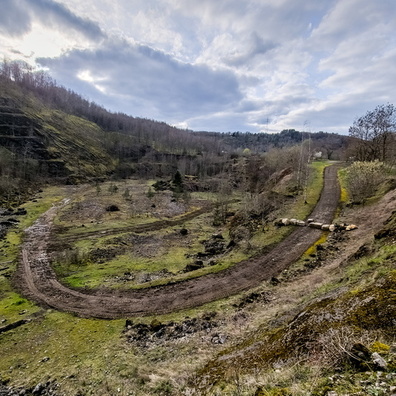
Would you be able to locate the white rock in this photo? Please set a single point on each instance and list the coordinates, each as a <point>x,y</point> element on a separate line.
<point>379,361</point>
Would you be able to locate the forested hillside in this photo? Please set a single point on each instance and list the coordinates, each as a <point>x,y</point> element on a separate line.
<point>50,132</point>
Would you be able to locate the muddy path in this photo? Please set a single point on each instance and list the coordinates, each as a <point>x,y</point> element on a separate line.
<point>36,279</point>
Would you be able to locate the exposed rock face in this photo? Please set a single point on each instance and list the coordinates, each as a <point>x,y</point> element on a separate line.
<point>60,144</point>
<point>23,136</point>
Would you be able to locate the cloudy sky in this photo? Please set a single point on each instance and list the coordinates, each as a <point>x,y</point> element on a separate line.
<point>218,65</point>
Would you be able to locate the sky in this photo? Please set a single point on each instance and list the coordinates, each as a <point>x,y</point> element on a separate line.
<point>214,65</point>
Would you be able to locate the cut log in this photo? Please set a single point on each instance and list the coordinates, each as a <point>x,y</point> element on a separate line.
<point>315,225</point>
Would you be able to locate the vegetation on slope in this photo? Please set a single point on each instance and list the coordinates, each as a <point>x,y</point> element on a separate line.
<point>325,343</point>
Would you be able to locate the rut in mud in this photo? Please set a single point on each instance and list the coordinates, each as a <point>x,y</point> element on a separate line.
<point>37,280</point>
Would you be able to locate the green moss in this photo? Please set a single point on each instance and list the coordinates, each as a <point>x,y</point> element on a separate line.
<point>343,184</point>
<point>373,308</point>
<point>379,347</point>
<point>60,346</point>
<point>13,307</point>
<point>313,248</point>
<point>377,307</point>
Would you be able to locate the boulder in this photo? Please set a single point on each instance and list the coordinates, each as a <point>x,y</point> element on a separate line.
<point>194,266</point>
<point>379,361</point>
<point>219,339</point>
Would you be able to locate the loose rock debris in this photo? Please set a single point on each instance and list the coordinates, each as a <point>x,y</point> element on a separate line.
<point>146,335</point>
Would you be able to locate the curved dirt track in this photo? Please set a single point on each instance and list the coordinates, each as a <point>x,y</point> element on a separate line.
<point>38,281</point>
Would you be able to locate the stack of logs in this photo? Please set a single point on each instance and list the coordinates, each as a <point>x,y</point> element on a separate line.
<point>314,224</point>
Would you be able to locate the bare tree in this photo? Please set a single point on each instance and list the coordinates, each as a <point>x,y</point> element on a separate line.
<point>374,133</point>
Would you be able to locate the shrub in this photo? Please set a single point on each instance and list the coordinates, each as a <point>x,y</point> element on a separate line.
<point>363,179</point>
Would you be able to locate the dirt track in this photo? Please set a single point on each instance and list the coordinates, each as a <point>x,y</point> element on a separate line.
<point>37,280</point>
<point>140,228</point>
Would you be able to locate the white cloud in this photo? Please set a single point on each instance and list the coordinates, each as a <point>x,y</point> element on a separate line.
<point>216,65</point>
<point>163,85</point>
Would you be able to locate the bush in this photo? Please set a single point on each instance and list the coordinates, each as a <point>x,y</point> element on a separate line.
<point>363,179</point>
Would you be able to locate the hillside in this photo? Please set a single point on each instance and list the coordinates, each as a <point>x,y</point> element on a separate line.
<point>62,145</point>
<point>328,320</point>
<point>140,259</point>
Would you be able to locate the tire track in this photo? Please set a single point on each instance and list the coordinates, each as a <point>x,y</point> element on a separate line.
<point>140,228</point>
